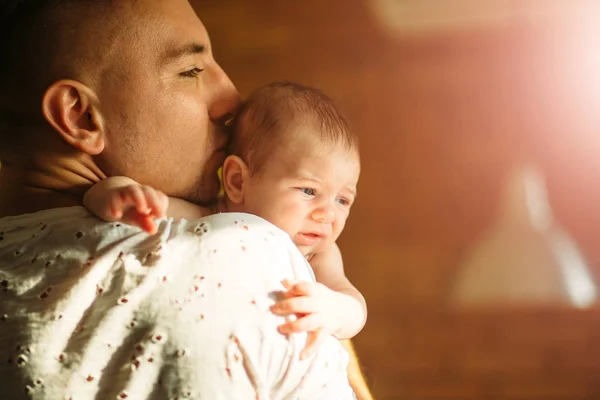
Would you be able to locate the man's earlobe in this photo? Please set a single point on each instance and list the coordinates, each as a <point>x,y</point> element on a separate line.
<point>235,175</point>
<point>70,108</point>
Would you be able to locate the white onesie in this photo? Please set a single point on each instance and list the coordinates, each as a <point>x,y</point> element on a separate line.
<point>95,310</point>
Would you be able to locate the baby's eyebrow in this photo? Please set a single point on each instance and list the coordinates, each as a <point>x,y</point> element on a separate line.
<point>305,176</point>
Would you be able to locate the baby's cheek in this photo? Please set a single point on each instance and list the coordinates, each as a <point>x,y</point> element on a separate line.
<point>285,224</point>
<point>276,217</point>
<point>339,225</point>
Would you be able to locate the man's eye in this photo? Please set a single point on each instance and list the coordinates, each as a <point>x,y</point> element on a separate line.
<point>308,191</point>
<point>192,73</point>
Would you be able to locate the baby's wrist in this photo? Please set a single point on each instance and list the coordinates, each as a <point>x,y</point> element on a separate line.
<point>352,314</point>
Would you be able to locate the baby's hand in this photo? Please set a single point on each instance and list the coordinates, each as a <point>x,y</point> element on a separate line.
<point>136,205</point>
<point>119,198</point>
<point>319,310</point>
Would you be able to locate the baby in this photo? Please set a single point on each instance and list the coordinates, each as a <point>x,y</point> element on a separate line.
<point>294,163</point>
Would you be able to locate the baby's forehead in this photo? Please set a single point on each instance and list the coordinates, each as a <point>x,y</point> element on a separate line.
<point>310,142</point>
<point>320,158</point>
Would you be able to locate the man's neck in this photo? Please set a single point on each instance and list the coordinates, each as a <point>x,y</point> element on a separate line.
<point>42,185</point>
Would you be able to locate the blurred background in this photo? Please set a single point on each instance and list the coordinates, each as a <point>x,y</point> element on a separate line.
<point>476,234</point>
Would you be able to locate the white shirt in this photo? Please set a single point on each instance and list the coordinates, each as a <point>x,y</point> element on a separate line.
<point>95,310</point>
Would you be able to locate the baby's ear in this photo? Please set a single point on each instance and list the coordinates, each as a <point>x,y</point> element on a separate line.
<point>235,174</point>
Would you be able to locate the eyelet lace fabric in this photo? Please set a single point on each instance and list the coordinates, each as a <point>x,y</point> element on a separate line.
<point>95,310</point>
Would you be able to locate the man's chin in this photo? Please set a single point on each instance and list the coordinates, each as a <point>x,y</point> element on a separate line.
<point>206,191</point>
<point>205,194</point>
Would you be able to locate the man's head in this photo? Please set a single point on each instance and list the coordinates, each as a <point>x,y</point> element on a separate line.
<point>130,85</point>
<point>295,163</point>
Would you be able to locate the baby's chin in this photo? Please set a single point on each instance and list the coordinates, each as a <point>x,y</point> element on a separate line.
<point>306,251</point>
<point>309,251</point>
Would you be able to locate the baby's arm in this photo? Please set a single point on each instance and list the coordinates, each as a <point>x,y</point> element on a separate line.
<point>179,208</point>
<point>329,270</point>
<point>123,199</point>
<point>330,306</point>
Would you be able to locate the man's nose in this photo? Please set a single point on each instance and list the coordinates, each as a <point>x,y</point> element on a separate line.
<point>225,100</point>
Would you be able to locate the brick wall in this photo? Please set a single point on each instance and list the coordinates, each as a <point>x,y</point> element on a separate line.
<point>518,355</point>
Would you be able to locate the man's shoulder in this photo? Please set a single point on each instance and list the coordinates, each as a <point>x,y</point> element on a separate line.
<point>44,216</point>
<point>238,224</point>
<point>77,225</point>
<point>67,237</point>
<point>229,232</point>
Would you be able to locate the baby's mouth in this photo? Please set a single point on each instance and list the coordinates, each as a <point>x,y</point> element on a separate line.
<point>308,238</point>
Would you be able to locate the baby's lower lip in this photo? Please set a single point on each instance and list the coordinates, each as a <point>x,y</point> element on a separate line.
<point>307,238</point>
<point>311,234</point>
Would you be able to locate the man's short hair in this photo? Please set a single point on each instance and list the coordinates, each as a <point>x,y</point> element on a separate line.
<point>271,113</point>
<point>42,41</point>
<point>31,38</point>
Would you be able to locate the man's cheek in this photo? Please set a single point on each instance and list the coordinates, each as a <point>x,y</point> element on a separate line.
<point>191,107</point>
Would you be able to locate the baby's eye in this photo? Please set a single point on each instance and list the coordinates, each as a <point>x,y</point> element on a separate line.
<point>343,201</point>
<point>308,191</point>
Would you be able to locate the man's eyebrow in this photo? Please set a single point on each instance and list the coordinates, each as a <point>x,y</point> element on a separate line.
<point>176,52</point>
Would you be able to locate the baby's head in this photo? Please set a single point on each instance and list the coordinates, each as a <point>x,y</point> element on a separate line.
<point>294,162</point>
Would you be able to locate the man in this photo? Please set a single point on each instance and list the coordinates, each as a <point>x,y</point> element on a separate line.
<point>94,310</point>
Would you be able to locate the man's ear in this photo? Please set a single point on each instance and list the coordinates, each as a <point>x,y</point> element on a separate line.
<point>72,110</point>
<point>235,175</point>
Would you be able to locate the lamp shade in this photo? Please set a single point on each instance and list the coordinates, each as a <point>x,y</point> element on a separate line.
<point>526,258</point>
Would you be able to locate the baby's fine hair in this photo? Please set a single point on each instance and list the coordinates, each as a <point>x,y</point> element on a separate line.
<point>274,112</point>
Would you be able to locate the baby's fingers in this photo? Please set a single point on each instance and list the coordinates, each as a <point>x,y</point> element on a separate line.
<point>300,288</point>
<point>308,323</point>
<point>127,198</point>
<point>147,223</point>
<point>137,198</point>
<point>295,305</point>
<point>157,201</point>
